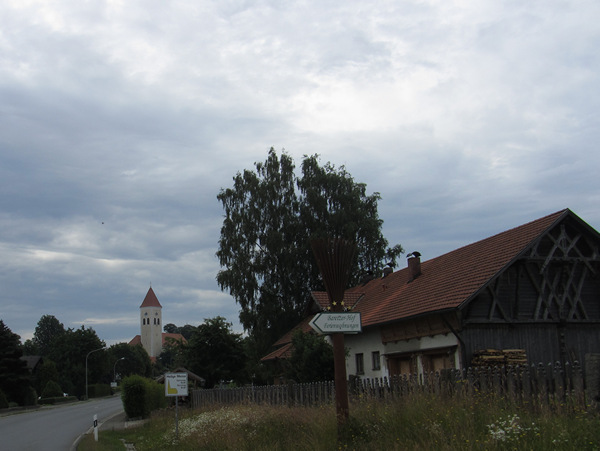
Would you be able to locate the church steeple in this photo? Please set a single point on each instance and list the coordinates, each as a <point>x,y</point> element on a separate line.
<point>151,324</point>
<point>151,300</point>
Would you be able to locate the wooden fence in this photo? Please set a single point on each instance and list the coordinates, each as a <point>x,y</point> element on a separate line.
<point>553,386</point>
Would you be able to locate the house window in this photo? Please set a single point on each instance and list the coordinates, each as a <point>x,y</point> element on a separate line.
<point>360,364</point>
<point>376,358</point>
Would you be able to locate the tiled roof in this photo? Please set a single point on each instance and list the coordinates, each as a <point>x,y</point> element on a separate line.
<point>150,300</point>
<point>283,352</point>
<point>322,298</point>
<point>172,337</point>
<point>303,326</point>
<point>448,280</point>
<point>137,340</point>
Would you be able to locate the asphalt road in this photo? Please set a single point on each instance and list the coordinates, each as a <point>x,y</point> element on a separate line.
<point>56,428</point>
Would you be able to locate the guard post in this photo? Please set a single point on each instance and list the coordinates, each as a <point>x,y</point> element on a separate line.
<point>96,427</point>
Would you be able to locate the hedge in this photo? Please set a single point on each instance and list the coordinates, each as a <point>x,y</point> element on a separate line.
<point>52,390</point>
<point>99,390</point>
<point>141,396</point>
<point>3,400</point>
<point>57,399</point>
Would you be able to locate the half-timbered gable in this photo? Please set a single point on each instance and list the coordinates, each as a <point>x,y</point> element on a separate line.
<point>546,301</point>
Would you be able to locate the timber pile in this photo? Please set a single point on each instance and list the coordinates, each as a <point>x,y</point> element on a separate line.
<point>499,357</point>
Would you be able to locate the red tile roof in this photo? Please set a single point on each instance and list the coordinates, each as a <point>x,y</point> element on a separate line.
<point>449,280</point>
<point>283,352</point>
<point>150,300</point>
<point>172,337</point>
<point>137,340</point>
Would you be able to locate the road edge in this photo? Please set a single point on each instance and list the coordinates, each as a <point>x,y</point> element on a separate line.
<point>90,430</point>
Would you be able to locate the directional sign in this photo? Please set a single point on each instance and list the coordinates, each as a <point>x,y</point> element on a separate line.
<point>176,384</point>
<point>330,323</point>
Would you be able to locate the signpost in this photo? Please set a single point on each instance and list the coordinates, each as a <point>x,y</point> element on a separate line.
<point>342,322</point>
<point>176,384</point>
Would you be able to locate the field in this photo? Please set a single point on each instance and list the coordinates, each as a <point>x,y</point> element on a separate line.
<point>423,422</point>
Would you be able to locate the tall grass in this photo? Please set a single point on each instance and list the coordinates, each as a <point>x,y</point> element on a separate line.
<point>421,422</point>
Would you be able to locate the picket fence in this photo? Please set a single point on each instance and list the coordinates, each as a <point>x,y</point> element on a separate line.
<point>553,385</point>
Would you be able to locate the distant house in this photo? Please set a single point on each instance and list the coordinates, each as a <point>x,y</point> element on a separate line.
<point>152,338</point>
<point>33,362</point>
<point>532,292</point>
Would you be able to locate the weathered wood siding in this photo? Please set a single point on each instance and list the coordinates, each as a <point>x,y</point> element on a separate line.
<point>547,302</point>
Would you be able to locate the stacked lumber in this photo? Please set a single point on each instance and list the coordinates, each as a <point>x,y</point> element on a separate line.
<point>499,357</point>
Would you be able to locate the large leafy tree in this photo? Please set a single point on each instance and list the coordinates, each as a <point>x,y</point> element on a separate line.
<point>14,376</point>
<point>69,352</point>
<point>271,215</point>
<point>215,353</point>
<point>48,329</point>
<point>126,360</point>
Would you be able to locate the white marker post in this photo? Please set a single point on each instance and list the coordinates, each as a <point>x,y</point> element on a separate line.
<point>96,427</point>
<point>176,384</point>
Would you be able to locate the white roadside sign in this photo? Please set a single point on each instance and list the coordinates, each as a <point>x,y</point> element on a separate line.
<point>343,322</point>
<point>176,384</point>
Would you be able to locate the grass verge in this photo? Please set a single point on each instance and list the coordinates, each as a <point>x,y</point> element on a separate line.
<point>423,422</point>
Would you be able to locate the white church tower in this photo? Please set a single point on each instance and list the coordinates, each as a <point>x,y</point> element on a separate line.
<point>151,324</point>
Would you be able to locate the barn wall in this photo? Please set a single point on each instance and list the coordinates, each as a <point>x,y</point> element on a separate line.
<point>543,343</point>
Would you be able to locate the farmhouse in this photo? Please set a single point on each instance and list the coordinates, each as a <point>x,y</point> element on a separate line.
<point>527,295</point>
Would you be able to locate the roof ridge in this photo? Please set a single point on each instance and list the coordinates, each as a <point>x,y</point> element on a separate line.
<point>557,214</point>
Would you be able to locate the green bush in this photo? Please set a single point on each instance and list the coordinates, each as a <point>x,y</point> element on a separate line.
<point>156,395</point>
<point>99,390</point>
<point>3,400</point>
<point>30,397</point>
<point>57,399</point>
<point>52,390</point>
<point>141,396</point>
<point>134,397</point>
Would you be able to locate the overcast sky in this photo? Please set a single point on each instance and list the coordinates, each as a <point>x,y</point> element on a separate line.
<point>120,121</point>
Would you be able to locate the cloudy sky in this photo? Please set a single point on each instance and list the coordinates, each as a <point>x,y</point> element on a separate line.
<point>120,121</point>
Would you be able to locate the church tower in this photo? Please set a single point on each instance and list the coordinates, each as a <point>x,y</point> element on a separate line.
<point>151,324</point>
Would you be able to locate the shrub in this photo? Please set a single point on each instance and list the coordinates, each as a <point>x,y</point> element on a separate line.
<point>99,390</point>
<point>3,400</point>
<point>30,397</point>
<point>134,397</point>
<point>57,399</point>
<point>52,390</point>
<point>141,396</point>
<point>155,395</point>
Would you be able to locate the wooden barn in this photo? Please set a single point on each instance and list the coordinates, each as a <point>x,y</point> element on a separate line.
<point>527,295</point>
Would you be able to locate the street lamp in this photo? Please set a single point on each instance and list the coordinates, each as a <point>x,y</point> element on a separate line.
<point>86,367</point>
<point>115,369</point>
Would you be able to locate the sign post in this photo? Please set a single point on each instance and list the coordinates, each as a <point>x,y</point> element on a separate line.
<point>176,384</point>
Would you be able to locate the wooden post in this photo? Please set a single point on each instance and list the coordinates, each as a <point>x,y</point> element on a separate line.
<point>335,258</point>
<point>341,385</point>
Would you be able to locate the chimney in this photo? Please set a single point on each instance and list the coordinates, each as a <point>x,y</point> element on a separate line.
<point>414,266</point>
